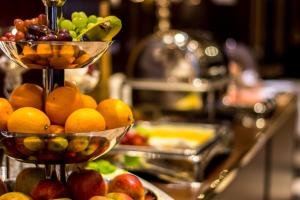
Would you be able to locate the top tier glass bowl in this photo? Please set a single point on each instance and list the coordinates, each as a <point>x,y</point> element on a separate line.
<point>64,148</point>
<point>54,54</point>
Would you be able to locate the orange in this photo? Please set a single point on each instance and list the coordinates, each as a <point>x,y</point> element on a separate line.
<point>115,112</point>
<point>61,102</point>
<point>56,129</point>
<point>84,120</point>
<point>5,111</point>
<point>88,101</point>
<point>27,95</point>
<point>28,120</point>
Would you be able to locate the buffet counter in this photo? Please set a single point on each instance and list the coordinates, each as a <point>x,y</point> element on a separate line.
<point>259,165</point>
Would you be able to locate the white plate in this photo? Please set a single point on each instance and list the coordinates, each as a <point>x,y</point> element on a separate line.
<point>161,195</point>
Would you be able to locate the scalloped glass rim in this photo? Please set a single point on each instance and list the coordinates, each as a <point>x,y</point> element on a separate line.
<point>14,50</point>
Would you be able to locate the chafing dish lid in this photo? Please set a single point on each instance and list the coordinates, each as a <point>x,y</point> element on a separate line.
<point>176,56</point>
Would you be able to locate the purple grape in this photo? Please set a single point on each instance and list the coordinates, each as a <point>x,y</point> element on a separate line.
<point>44,38</point>
<point>38,30</point>
<point>63,31</point>
<point>64,37</point>
<point>49,37</point>
<point>30,37</point>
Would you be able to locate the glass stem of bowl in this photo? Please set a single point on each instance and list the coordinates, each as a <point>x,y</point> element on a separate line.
<point>51,172</point>
<point>53,78</point>
<point>54,13</point>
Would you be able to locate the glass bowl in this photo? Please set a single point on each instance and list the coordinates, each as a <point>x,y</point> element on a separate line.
<point>65,148</point>
<point>54,54</point>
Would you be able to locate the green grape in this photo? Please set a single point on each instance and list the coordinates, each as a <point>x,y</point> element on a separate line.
<point>79,30</point>
<point>73,34</point>
<point>83,30</point>
<point>90,25</point>
<point>74,14</point>
<point>67,24</point>
<point>82,14</point>
<point>80,22</point>
<point>92,19</point>
<point>100,19</point>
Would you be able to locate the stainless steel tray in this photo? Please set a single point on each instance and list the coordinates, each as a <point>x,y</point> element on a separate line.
<point>175,164</point>
<point>260,109</point>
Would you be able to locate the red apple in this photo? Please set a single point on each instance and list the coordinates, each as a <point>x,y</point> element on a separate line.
<point>129,184</point>
<point>85,184</point>
<point>49,189</point>
<point>48,156</point>
<point>133,138</point>
<point>118,196</point>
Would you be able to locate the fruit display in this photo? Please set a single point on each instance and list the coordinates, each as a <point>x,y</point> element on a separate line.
<point>55,124</point>
<point>55,55</point>
<point>77,43</point>
<point>91,28</point>
<point>70,126</point>
<point>79,28</point>
<point>81,184</point>
<point>23,27</point>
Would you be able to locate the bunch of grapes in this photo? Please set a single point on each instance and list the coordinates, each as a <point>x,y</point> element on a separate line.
<point>22,27</point>
<point>43,33</point>
<point>79,23</point>
<point>35,29</point>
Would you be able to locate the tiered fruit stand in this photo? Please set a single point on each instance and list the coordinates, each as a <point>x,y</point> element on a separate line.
<point>99,142</point>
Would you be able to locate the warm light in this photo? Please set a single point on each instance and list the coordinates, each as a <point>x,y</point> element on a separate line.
<point>167,39</point>
<point>259,108</point>
<point>115,3</point>
<point>14,31</point>
<point>137,1</point>
<point>193,45</point>
<point>180,39</point>
<point>211,51</point>
<point>195,2</point>
<point>164,24</point>
<point>197,82</point>
<point>164,12</point>
<point>260,123</point>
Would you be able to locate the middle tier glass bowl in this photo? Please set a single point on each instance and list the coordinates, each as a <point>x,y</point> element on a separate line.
<point>54,54</point>
<point>64,148</point>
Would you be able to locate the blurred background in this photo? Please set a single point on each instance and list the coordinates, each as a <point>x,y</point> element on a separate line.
<point>260,35</point>
<point>269,28</point>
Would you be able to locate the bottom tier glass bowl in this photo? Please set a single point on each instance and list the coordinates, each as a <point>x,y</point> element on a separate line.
<point>60,148</point>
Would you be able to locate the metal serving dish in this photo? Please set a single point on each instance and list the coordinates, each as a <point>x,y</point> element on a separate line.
<point>182,162</point>
<point>264,108</point>
<point>177,71</point>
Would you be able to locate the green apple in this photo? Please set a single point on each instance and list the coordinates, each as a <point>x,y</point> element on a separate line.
<point>57,144</point>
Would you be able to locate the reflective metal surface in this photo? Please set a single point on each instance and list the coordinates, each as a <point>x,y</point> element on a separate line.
<point>177,56</point>
<point>177,71</point>
<point>178,160</point>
